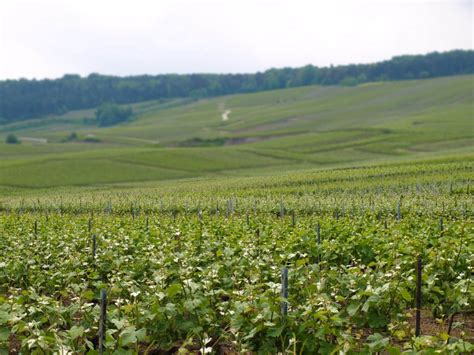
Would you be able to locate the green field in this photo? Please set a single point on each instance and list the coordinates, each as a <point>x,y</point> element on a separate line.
<point>194,264</point>
<point>284,130</point>
<point>187,222</point>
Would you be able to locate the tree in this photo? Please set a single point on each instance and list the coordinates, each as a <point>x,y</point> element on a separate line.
<point>12,139</point>
<point>109,114</point>
<point>349,81</point>
<point>72,137</point>
<point>362,78</point>
<point>306,75</point>
<point>24,99</point>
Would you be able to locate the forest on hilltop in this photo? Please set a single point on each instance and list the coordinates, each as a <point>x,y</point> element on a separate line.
<point>24,99</point>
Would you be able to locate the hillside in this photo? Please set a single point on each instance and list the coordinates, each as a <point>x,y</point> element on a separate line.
<point>246,134</point>
<point>24,99</point>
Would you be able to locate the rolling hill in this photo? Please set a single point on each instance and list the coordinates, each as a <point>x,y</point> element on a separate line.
<point>246,134</point>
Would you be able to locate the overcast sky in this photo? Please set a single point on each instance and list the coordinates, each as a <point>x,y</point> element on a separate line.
<point>48,38</point>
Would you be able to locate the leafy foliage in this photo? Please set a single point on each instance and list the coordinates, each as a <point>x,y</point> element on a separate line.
<point>12,139</point>
<point>109,114</point>
<point>198,267</point>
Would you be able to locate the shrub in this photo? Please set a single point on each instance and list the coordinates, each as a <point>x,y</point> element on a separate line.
<point>72,137</point>
<point>109,114</point>
<point>12,139</point>
<point>92,140</point>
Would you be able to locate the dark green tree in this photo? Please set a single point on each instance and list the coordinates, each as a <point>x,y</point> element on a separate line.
<point>109,114</point>
<point>12,139</point>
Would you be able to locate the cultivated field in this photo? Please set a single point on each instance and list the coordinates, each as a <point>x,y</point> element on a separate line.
<point>330,220</point>
<point>282,130</point>
<point>197,265</point>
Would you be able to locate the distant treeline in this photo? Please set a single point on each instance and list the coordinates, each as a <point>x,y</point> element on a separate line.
<point>22,99</point>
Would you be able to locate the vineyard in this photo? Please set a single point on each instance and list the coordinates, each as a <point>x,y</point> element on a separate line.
<point>362,260</point>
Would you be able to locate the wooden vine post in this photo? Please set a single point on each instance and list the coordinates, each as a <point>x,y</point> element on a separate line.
<point>230,207</point>
<point>318,236</point>
<point>94,246</point>
<point>102,320</point>
<point>318,233</point>
<point>284,291</point>
<point>418,297</point>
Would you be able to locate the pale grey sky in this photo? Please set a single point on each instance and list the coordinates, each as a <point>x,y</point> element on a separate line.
<point>47,38</point>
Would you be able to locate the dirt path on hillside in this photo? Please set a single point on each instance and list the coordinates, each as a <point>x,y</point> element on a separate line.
<point>225,115</point>
<point>33,140</point>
